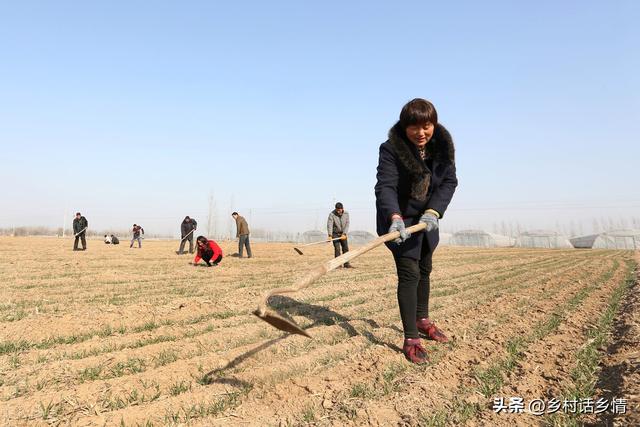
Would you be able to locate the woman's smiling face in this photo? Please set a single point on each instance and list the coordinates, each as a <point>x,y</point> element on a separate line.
<point>420,134</point>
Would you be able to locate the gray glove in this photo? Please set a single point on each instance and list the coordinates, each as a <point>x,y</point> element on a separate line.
<point>431,220</point>
<point>398,225</point>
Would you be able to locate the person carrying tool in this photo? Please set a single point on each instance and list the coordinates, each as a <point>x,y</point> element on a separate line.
<point>416,180</point>
<point>187,229</point>
<point>337,228</point>
<point>242,233</point>
<point>137,231</point>
<point>80,225</point>
<point>209,251</point>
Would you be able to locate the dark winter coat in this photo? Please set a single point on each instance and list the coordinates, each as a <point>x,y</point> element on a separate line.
<point>136,231</point>
<point>408,185</point>
<point>187,226</point>
<point>79,224</point>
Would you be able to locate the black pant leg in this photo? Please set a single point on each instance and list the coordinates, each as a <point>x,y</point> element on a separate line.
<point>207,255</point>
<point>408,277</point>
<point>336,248</point>
<point>84,241</point>
<point>190,239</point>
<point>424,284</point>
<point>248,245</point>
<point>75,243</point>
<point>241,245</point>
<point>345,248</point>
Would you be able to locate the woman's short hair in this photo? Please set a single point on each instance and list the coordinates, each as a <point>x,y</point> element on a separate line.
<point>418,111</point>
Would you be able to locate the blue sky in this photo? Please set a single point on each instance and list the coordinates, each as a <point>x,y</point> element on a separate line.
<point>138,111</point>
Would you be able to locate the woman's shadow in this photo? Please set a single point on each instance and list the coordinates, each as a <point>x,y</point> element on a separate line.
<point>288,307</point>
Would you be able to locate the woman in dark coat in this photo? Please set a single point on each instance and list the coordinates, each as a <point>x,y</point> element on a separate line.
<point>416,181</point>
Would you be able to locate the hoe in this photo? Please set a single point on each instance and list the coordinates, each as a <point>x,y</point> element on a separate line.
<point>317,243</point>
<point>279,322</point>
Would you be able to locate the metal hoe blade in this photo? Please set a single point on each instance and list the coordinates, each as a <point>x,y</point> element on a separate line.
<point>280,322</point>
<point>298,250</point>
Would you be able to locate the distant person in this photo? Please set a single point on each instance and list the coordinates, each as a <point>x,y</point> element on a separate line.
<point>242,233</point>
<point>209,251</point>
<point>415,183</point>
<point>80,225</point>
<point>107,239</point>
<point>114,240</point>
<point>338,227</point>
<point>187,228</point>
<point>138,232</point>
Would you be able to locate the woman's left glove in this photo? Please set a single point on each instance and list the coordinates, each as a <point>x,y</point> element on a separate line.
<point>430,219</point>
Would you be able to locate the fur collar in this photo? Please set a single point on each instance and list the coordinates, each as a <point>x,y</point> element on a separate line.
<point>440,148</point>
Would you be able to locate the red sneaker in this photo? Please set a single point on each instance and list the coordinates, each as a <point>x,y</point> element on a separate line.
<point>414,352</point>
<point>430,329</point>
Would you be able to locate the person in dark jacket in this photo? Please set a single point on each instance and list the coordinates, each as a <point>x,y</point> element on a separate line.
<point>338,227</point>
<point>80,225</point>
<point>114,240</point>
<point>187,228</point>
<point>242,234</point>
<point>137,231</point>
<point>416,180</point>
<point>209,251</point>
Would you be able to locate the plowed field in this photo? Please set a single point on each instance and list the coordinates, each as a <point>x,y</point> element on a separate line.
<point>119,336</point>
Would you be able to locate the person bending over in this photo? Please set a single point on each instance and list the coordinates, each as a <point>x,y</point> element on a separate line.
<point>209,251</point>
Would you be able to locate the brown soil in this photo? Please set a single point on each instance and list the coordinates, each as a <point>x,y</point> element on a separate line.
<point>620,370</point>
<point>117,335</point>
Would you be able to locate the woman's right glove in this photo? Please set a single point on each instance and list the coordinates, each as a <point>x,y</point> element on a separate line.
<point>398,225</point>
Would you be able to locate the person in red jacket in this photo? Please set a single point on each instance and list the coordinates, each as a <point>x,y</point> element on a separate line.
<point>208,250</point>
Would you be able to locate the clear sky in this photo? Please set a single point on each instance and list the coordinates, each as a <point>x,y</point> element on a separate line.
<point>132,111</point>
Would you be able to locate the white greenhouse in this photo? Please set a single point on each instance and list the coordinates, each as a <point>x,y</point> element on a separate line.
<point>360,237</point>
<point>313,236</point>
<point>543,239</point>
<point>618,239</point>
<point>445,239</point>
<point>480,238</point>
